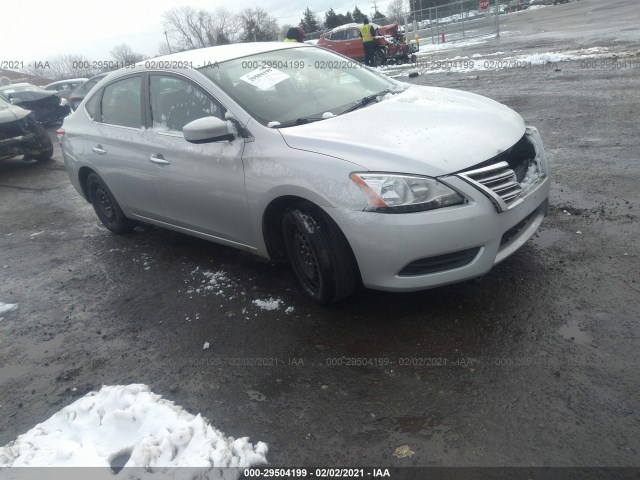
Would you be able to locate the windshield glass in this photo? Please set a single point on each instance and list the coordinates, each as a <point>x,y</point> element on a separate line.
<point>297,85</point>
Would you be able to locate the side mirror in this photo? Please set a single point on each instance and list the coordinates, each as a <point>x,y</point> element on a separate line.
<point>207,130</point>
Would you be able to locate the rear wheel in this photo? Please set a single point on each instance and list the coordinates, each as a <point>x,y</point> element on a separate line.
<point>319,254</point>
<point>106,206</point>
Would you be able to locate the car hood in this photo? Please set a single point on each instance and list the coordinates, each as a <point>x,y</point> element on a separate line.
<point>423,130</point>
<point>11,114</point>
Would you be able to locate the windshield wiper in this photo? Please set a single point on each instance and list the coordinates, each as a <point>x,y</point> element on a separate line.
<point>365,101</point>
<point>297,121</point>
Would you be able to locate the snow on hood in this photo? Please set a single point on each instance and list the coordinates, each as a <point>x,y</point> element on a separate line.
<point>423,130</point>
<point>129,421</point>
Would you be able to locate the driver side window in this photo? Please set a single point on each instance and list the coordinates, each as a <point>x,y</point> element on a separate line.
<point>176,102</point>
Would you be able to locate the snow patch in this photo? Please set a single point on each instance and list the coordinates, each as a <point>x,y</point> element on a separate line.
<point>270,304</point>
<point>7,307</point>
<point>130,421</point>
<point>210,283</point>
<point>326,115</point>
<point>273,124</point>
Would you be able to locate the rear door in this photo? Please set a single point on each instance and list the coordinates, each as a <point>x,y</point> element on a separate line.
<point>353,44</point>
<point>114,146</point>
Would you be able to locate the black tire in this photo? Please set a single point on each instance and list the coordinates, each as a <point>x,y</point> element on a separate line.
<point>319,254</point>
<point>46,146</point>
<point>378,57</point>
<point>106,206</point>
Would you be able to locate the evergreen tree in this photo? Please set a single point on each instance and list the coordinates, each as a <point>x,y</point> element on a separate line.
<point>358,16</point>
<point>309,21</point>
<point>331,19</point>
<point>348,18</point>
<point>377,15</point>
<point>342,19</point>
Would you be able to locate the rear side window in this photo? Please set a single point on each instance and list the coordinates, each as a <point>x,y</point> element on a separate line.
<point>86,87</point>
<point>93,107</point>
<point>121,103</point>
<point>352,33</point>
<point>339,35</point>
<point>176,102</point>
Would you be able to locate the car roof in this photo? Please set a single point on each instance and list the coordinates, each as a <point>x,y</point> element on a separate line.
<point>67,81</point>
<point>210,55</point>
<point>347,26</point>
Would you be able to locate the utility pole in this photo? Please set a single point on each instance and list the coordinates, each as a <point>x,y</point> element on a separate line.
<point>375,8</point>
<point>167,37</point>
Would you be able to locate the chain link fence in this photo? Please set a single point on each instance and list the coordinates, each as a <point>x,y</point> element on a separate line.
<point>454,21</point>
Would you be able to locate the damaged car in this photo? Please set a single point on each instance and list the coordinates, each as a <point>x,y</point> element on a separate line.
<point>391,45</point>
<point>278,149</point>
<point>21,134</point>
<point>46,105</point>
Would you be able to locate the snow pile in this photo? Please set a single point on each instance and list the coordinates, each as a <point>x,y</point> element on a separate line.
<point>326,115</point>
<point>132,422</point>
<point>7,307</point>
<point>270,304</point>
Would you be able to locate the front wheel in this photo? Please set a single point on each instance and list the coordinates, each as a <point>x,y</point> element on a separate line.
<point>319,254</point>
<point>45,148</point>
<point>106,207</point>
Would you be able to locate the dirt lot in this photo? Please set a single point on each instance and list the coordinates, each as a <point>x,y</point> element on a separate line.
<point>535,364</point>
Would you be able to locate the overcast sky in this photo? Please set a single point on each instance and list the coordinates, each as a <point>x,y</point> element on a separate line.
<point>39,30</point>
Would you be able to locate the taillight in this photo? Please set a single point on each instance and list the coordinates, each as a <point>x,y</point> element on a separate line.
<point>60,134</point>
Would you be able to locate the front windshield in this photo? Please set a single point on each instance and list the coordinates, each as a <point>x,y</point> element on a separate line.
<point>296,85</point>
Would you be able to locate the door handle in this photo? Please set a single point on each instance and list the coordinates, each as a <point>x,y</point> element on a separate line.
<point>99,149</point>
<point>158,159</point>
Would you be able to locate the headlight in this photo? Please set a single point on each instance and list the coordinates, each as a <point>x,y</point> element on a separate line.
<point>63,102</point>
<point>393,193</point>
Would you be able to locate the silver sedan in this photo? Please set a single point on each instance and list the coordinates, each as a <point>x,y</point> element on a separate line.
<point>291,151</point>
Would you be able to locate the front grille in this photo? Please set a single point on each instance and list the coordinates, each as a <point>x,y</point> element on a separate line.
<point>506,177</point>
<point>498,178</point>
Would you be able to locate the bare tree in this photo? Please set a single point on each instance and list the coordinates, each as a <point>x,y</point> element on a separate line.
<point>226,26</point>
<point>124,55</point>
<point>189,28</point>
<point>397,10</point>
<point>62,67</point>
<point>258,25</point>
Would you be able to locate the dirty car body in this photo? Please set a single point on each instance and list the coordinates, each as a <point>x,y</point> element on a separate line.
<point>21,134</point>
<point>46,105</point>
<point>277,149</point>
